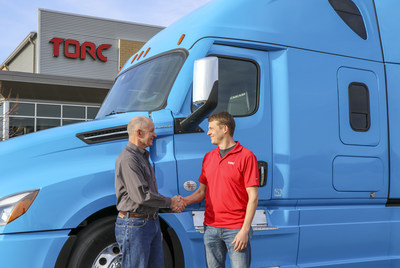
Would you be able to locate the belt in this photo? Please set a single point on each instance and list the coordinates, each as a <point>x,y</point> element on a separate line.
<point>123,214</point>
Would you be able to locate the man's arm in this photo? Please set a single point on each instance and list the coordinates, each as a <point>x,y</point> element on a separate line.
<point>242,237</point>
<point>140,193</point>
<point>137,186</point>
<point>196,197</point>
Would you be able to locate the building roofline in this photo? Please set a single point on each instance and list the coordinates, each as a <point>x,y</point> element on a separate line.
<point>24,42</point>
<point>54,80</point>
<point>100,18</point>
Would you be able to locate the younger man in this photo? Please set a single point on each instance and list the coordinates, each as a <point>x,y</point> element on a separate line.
<point>229,182</point>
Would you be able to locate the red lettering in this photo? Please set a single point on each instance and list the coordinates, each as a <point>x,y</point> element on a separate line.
<point>100,51</point>
<point>90,48</point>
<point>67,44</point>
<point>80,50</point>
<point>56,41</point>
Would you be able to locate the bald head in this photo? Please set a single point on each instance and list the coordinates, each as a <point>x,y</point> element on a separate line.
<point>138,123</point>
<point>141,131</point>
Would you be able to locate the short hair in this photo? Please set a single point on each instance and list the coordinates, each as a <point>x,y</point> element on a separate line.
<point>224,119</point>
<point>138,122</point>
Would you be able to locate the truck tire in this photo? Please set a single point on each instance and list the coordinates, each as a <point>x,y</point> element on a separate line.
<point>96,247</point>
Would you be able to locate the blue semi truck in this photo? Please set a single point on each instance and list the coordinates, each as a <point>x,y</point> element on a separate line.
<point>314,86</point>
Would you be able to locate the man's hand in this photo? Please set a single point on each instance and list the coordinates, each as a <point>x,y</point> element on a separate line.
<point>177,204</point>
<point>241,240</point>
<point>242,236</point>
<point>184,200</point>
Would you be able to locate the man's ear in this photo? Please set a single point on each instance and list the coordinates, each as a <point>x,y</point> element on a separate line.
<point>138,133</point>
<point>226,129</point>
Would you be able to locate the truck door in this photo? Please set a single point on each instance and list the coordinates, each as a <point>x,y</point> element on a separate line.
<point>244,93</point>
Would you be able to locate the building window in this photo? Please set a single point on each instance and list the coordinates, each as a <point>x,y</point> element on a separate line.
<point>25,117</point>
<point>45,123</point>
<point>21,108</point>
<point>74,112</point>
<point>92,112</point>
<point>48,110</point>
<point>20,126</point>
<point>70,121</point>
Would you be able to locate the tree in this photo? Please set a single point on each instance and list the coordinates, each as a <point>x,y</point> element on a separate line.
<point>4,115</point>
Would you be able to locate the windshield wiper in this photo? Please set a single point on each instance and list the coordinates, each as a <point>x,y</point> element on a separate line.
<point>114,112</point>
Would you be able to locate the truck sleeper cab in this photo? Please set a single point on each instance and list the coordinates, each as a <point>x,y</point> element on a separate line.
<point>312,86</point>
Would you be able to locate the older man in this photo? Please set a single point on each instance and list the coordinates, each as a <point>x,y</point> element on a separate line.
<point>137,227</point>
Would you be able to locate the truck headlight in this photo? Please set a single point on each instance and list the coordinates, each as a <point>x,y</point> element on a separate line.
<point>14,206</point>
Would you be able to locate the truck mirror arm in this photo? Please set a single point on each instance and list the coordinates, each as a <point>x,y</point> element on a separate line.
<point>193,120</point>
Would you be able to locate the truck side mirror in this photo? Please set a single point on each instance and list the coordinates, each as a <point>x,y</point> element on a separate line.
<point>205,91</point>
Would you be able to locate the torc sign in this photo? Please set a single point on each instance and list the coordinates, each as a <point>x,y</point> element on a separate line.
<point>73,49</point>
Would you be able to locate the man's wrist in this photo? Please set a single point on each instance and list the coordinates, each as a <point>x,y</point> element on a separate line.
<point>168,202</point>
<point>187,200</point>
<point>246,229</point>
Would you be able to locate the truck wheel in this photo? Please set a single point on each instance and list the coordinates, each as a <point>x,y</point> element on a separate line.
<point>96,247</point>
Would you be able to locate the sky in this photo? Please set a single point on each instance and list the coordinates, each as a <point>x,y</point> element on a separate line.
<point>20,17</point>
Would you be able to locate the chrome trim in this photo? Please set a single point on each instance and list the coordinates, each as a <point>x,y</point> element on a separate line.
<point>105,135</point>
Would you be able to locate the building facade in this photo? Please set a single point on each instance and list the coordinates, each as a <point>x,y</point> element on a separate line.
<point>61,74</point>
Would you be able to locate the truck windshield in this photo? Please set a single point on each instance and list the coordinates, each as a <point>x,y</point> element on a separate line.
<point>144,87</point>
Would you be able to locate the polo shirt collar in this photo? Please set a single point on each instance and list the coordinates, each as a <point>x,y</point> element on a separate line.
<point>238,147</point>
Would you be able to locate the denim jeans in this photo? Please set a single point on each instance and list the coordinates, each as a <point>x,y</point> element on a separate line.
<point>218,241</point>
<point>140,242</point>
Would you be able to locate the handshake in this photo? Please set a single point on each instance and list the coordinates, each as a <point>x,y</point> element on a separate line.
<point>178,204</point>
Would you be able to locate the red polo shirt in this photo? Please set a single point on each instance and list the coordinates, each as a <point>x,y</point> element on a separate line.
<point>226,181</point>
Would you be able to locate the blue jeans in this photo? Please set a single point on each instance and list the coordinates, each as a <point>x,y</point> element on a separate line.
<point>218,241</point>
<point>140,242</point>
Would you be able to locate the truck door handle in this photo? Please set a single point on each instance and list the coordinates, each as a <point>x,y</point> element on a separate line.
<point>263,171</point>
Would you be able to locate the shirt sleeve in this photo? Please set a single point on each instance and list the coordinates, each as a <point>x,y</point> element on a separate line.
<point>203,178</point>
<point>251,173</point>
<point>137,186</point>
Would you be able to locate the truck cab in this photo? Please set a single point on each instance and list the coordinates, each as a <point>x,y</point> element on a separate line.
<point>312,87</point>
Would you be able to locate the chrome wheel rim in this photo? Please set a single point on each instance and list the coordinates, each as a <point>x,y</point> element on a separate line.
<point>109,257</point>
